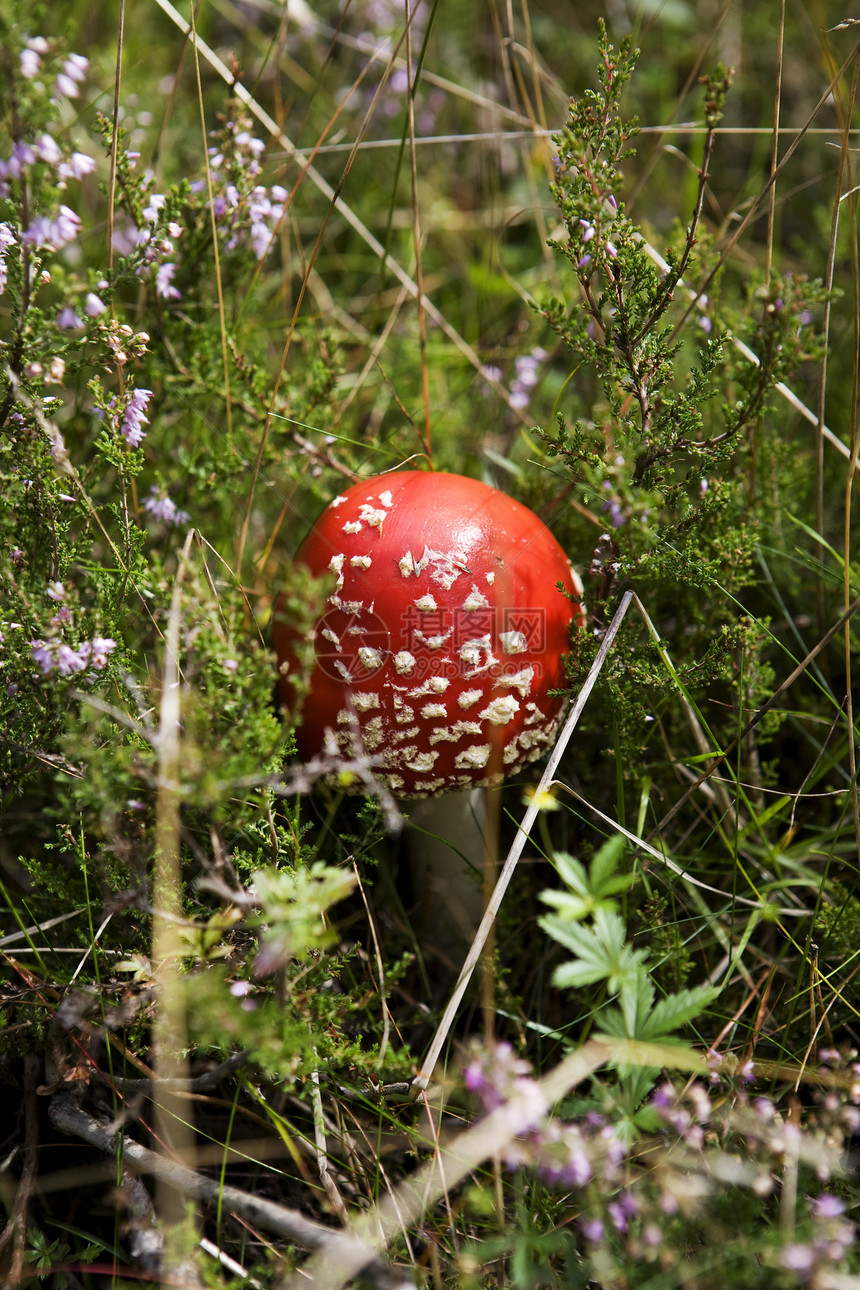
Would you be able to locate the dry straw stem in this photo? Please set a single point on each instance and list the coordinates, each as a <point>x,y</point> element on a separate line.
<point>173,1131</point>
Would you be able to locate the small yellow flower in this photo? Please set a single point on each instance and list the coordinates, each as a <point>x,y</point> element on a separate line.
<point>545,800</point>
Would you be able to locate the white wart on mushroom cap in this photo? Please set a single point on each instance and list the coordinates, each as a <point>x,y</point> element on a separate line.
<point>442,637</point>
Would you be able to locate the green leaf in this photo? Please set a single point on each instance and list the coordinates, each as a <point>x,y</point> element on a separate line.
<point>602,953</point>
<point>589,889</point>
<point>675,1010</point>
<point>656,1055</point>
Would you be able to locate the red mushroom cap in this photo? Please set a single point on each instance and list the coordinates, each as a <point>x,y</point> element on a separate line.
<point>443,636</point>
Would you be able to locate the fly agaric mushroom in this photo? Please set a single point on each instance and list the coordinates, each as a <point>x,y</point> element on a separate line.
<point>442,638</point>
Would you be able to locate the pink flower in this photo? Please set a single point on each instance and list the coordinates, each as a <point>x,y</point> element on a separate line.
<point>68,320</point>
<point>53,233</point>
<point>163,282</point>
<point>74,71</point>
<point>161,507</point>
<point>78,165</point>
<point>41,654</point>
<point>7,239</point>
<point>101,646</point>
<point>135,419</point>
<point>30,63</point>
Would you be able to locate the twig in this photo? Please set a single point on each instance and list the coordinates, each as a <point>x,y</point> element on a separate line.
<point>335,1198</point>
<point>16,1228</point>
<point>27,932</point>
<point>199,1084</point>
<point>69,1118</point>
<point>145,1241</point>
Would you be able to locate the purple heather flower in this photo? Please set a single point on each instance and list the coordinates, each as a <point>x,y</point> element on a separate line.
<point>261,237</point>
<point>561,1156</point>
<point>851,1119</point>
<point>591,1228</point>
<point>69,660</point>
<point>587,230</point>
<point>797,1258</point>
<point>101,646</point>
<point>41,653</point>
<point>53,233</point>
<point>56,591</point>
<point>7,239</point>
<point>93,306</point>
<point>74,70</point>
<point>30,63</point>
<point>47,149</point>
<point>489,373</point>
<point>701,1102</point>
<point>827,1206</point>
<point>618,1215</point>
<point>526,366</point>
<point>78,165</point>
<point>162,507</point>
<point>56,656</point>
<point>68,320</point>
<point>164,282</point>
<point>246,141</point>
<point>616,515</point>
<point>156,202</point>
<point>65,86</point>
<point>663,1097</point>
<point>134,418</point>
<point>76,66</point>
<point>125,238</point>
<point>615,1148</point>
<point>242,990</point>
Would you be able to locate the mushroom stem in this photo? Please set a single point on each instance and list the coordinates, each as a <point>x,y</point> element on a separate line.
<point>445,840</point>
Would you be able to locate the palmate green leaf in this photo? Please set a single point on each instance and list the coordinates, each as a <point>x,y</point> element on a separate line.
<point>602,953</point>
<point>653,1055</point>
<point>589,890</point>
<point>605,864</point>
<point>675,1010</point>
<point>639,1018</point>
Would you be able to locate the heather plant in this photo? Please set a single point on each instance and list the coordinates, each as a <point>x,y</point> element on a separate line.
<point>212,975</point>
